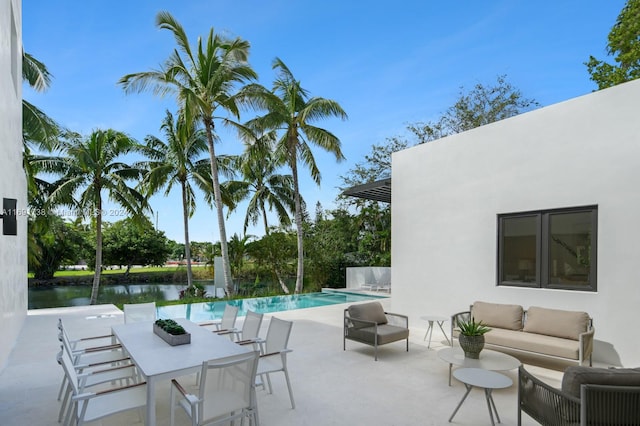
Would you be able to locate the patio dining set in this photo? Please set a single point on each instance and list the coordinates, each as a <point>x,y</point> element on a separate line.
<point>213,377</point>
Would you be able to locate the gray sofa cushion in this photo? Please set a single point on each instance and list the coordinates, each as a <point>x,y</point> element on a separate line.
<point>372,311</point>
<point>575,376</point>
<point>499,315</point>
<point>555,322</point>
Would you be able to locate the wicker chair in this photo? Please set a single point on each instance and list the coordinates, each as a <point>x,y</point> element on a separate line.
<point>612,400</point>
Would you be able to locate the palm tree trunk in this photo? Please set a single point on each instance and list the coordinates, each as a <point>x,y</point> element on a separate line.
<point>298,219</point>
<point>187,247</point>
<point>98,270</point>
<point>276,272</point>
<point>226,266</point>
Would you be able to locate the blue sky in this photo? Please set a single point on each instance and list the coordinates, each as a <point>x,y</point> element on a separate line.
<point>387,64</point>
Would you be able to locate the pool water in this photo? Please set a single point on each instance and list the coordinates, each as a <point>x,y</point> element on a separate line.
<point>213,310</point>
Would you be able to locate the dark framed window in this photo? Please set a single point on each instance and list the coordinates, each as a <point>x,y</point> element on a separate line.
<point>549,248</point>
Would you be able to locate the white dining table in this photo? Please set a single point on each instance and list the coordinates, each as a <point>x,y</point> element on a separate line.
<point>157,360</point>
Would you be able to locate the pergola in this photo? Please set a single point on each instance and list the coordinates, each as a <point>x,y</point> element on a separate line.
<point>379,190</point>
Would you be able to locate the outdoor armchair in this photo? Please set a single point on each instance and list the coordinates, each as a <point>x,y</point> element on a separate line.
<point>588,396</point>
<point>368,323</point>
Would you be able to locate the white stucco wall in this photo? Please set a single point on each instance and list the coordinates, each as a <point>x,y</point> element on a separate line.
<point>13,249</point>
<point>447,195</point>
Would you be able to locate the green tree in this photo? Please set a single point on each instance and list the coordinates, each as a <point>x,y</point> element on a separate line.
<point>38,131</point>
<point>58,243</point>
<point>238,251</point>
<point>266,190</point>
<point>88,168</point>
<point>623,44</point>
<point>482,105</point>
<point>204,80</point>
<point>177,161</point>
<point>275,251</point>
<point>128,242</point>
<point>292,112</point>
<point>376,165</point>
<point>37,128</point>
<point>331,243</point>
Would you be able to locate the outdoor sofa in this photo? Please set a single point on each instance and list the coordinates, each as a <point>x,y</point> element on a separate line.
<point>566,335</point>
<point>368,323</point>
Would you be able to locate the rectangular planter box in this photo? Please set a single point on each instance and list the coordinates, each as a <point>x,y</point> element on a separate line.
<point>181,339</point>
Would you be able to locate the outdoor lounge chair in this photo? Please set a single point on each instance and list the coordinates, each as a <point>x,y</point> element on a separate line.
<point>588,396</point>
<point>368,323</point>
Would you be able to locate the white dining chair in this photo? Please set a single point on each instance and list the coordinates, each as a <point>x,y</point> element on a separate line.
<point>273,358</point>
<point>227,322</point>
<point>135,312</point>
<point>87,406</point>
<point>250,329</point>
<point>226,392</point>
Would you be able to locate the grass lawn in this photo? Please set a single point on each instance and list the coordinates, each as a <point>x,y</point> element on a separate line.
<point>145,269</point>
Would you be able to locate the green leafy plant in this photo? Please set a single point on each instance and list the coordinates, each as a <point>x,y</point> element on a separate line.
<point>472,328</point>
<point>170,326</point>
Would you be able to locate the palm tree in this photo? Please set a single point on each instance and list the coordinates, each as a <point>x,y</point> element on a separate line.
<point>290,110</point>
<point>88,167</point>
<point>41,131</point>
<point>204,80</point>
<point>266,189</point>
<point>37,127</point>
<point>177,161</point>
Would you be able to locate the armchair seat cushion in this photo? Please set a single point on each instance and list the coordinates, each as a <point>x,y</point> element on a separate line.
<point>386,334</point>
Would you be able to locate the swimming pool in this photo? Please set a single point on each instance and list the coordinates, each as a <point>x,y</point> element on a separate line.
<point>265,305</point>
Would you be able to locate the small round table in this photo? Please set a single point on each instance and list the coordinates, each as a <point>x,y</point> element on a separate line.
<point>488,380</point>
<point>489,360</point>
<point>437,319</point>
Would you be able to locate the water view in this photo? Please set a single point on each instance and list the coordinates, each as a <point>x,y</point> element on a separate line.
<point>61,296</point>
<point>213,310</point>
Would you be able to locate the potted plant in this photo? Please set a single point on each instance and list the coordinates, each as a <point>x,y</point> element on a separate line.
<point>171,332</point>
<point>471,337</point>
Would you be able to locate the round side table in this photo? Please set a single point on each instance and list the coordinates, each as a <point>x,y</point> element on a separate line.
<point>488,380</point>
<point>437,319</point>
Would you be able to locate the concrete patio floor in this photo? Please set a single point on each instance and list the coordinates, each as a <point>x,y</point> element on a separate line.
<point>331,386</point>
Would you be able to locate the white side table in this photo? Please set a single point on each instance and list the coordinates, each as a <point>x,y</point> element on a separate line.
<point>488,380</point>
<point>437,319</point>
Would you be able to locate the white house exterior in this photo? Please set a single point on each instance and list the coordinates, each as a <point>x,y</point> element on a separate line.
<point>13,248</point>
<point>447,195</point>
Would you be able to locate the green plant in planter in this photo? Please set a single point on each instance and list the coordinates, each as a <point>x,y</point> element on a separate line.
<point>471,337</point>
<point>170,326</point>
<point>472,328</point>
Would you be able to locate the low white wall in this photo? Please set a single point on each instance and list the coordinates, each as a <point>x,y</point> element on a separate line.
<point>13,249</point>
<point>368,275</point>
<point>446,196</point>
